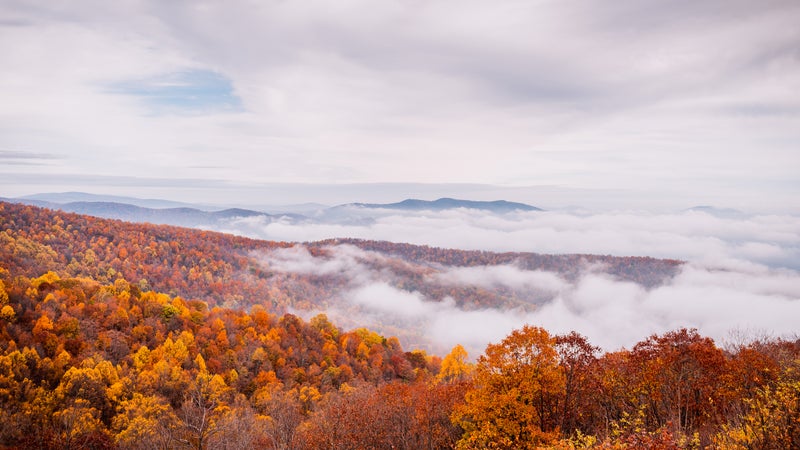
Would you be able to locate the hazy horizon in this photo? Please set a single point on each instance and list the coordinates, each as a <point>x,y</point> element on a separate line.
<point>275,196</point>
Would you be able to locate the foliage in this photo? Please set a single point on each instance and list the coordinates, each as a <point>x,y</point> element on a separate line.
<point>89,359</point>
<point>85,364</point>
<point>513,404</point>
<point>772,420</point>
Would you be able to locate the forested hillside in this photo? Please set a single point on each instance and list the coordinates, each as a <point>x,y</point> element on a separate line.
<point>91,365</point>
<point>648,272</point>
<point>116,335</point>
<point>229,270</point>
<point>303,278</point>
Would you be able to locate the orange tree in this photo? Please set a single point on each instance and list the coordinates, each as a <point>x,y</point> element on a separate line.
<point>515,397</point>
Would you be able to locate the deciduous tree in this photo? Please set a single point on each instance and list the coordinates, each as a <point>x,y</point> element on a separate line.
<point>514,400</point>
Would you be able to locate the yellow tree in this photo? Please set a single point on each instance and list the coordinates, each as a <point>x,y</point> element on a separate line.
<point>3,293</point>
<point>455,366</point>
<point>514,400</point>
<point>773,417</point>
<point>144,422</point>
<point>96,384</point>
<point>78,424</point>
<point>205,402</point>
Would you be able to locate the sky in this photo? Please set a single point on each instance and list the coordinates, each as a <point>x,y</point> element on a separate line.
<point>626,104</point>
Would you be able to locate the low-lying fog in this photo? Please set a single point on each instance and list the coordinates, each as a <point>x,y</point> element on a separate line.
<point>741,274</point>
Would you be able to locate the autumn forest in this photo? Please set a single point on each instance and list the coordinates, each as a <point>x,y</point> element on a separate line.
<point>136,336</point>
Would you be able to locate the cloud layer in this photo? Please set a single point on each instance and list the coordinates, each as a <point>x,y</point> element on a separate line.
<point>741,274</point>
<point>724,240</point>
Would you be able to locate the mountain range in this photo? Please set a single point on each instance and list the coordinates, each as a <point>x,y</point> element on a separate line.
<point>497,206</point>
<point>182,216</point>
<point>164,212</point>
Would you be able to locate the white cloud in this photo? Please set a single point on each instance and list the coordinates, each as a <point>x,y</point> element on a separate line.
<point>510,276</point>
<point>347,261</point>
<point>383,298</point>
<point>472,329</point>
<point>725,286</point>
<point>696,236</point>
<point>612,314</point>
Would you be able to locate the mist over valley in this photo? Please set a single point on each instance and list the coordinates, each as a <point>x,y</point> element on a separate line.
<point>719,272</point>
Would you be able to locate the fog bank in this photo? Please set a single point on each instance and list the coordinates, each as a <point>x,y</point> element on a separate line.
<point>717,299</point>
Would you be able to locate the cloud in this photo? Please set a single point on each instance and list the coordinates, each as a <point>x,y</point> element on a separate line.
<point>508,276</point>
<point>383,298</point>
<point>297,259</point>
<point>9,154</point>
<point>346,261</point>
<point>615,314</point>
<point>652,98</point>
<point>769,240</point>
<point>725,286</point>
<point>22,158</point>
<point>742,273</point>
<point>369,293</point>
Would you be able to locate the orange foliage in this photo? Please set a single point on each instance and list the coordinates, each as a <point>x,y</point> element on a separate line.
<point>89,359</point>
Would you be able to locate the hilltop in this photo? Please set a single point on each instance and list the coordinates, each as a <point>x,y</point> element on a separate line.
<point>497,206</point>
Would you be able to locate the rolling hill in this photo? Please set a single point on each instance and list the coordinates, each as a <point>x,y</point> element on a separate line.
<point>238,272</point>
<point>497,206</point>
<point>208,265</point>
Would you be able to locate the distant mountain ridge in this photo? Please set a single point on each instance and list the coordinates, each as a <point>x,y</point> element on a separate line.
<point>497,206</point>
<point>166,212</point>
<point>62,198</point>
<point>181,216</point>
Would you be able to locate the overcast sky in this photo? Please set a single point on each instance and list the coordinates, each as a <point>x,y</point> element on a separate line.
<point>611,103</point>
